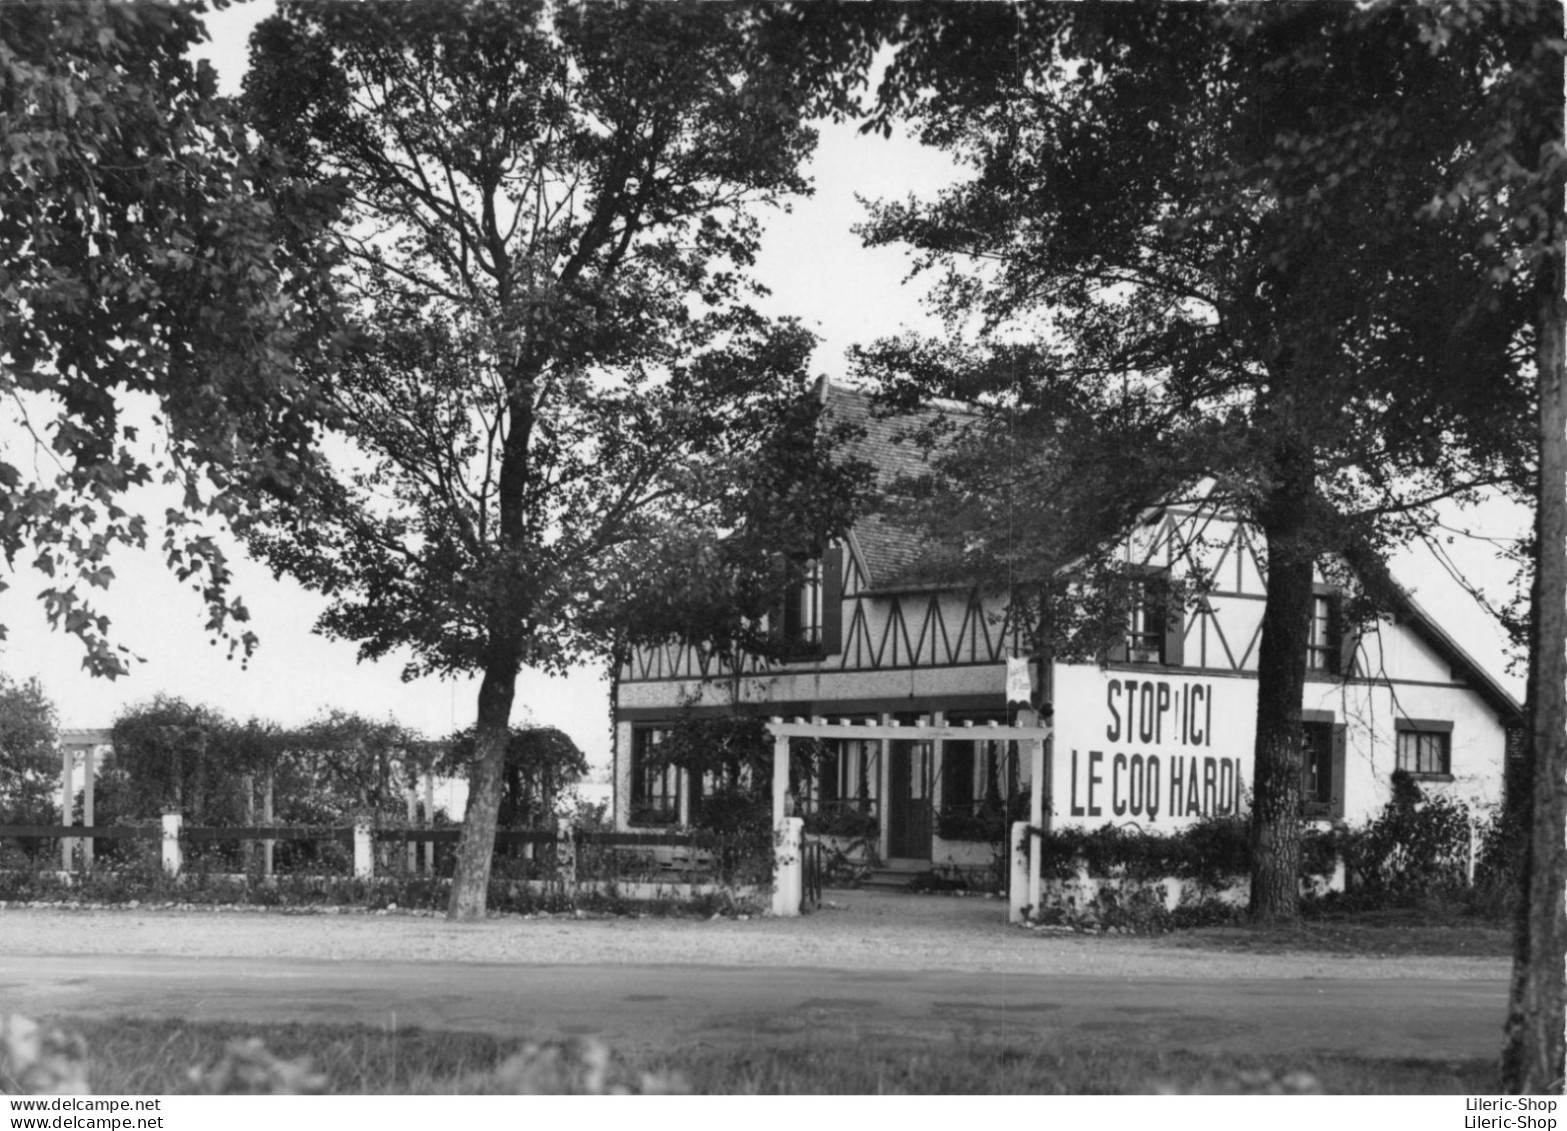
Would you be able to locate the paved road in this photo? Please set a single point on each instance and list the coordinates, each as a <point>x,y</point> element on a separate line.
<point>643,1006</point>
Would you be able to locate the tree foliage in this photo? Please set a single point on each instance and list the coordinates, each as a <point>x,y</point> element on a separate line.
<point>541,764</point>
<point>147,285</point>
<point>29,761</point>
<point>1197,243</point>
<point>168,752</point>
<point>1514,170</point>
<point>551,221</point>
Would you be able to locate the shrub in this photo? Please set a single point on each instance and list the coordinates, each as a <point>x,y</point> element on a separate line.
<point>1415,850</point>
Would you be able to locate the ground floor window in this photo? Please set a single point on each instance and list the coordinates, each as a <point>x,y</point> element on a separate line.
<point>980,788</point>
<point>655,789</point>
<point>842,794</point>
<point>1316,770</point>
<point>1425,747</point>
<point>1322,767</point>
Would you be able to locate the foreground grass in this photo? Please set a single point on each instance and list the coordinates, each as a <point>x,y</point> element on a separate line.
<point>130,1056</point>
<point>1374,934</point>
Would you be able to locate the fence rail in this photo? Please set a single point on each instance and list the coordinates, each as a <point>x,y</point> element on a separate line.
<point>683,856</point>
<point>80,832</point>
<point>680,857</point>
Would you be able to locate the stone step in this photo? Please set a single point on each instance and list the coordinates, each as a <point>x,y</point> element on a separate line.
<point>892,878</point>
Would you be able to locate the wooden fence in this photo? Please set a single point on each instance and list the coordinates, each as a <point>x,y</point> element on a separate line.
<point>678,857</point>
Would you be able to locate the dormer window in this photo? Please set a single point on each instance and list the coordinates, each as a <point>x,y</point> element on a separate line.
<point>1155,622</point>
<point>811,616</point>
<point>802,611</point>
<point>1145,622</point>
<point>1328,650</point>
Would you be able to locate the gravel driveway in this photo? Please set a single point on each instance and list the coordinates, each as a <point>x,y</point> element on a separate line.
<point>856,930</point>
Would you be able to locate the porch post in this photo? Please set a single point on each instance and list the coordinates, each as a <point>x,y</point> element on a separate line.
<point>884,790</point>
<point>1036,815</point>
<point>786,836</point>
<point>1017,890</point>
<point>787,868</point>
<point>780,776</point>
<point>935,795</point>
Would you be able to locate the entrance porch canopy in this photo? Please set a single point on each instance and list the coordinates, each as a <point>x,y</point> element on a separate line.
<point>1033,739</point>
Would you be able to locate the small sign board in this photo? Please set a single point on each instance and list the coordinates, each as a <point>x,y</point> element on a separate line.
<point>1020,685</point>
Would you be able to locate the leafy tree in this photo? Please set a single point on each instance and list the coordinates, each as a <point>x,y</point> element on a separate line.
<point>546,254</point>
<point>1508,178</point>
<point>1513,171</point>
<point>142,267</point>
<point>29,761</point>
<point>170,752</point>
<point>345,763</point>
<point>541,763</point>
<point>1187,285</point>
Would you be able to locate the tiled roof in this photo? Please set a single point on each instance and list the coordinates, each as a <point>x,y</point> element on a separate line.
<point>887,550</point>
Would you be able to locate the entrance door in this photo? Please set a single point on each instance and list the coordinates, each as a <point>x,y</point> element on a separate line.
<point>908,809</point>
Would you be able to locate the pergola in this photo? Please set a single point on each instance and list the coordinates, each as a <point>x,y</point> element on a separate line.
<point>74,743</point>
<point>788,830</point>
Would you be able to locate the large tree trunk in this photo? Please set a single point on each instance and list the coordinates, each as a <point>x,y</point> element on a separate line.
<point>476,849</point>
<point>1533,1060</point>
<point>506,631</point>
<point>1281,680</point>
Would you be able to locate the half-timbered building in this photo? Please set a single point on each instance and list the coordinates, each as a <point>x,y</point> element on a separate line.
<point>1158,733</point>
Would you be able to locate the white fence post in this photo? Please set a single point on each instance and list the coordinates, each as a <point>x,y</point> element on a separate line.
<point>1017,890</point>
<point>267,846</point>
<point>172,820</point>
<point>565,851</point>
<point>364,858</point>
<point>787,866</point>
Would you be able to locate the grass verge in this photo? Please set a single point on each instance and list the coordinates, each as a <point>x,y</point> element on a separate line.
<point>1374,934</point>
<point>131,1056</point>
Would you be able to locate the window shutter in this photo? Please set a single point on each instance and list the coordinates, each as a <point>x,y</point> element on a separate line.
<point>832,600</point>
<point>1340,742</point>
<point>1174,631</point>
<point>1338,661</point>
<point>1348,646</point>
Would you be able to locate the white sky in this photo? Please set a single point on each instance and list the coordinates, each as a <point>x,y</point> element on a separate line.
<point>816,270</point>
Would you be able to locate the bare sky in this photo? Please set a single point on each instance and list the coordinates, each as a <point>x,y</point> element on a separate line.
<point>816,270</point>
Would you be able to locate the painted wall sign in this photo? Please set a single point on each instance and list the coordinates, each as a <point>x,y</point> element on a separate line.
<point>1154,748</point>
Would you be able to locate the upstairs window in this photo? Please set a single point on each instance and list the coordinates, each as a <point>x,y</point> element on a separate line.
<point>1327,649</point>
<point>1155,622</point>
<point>1145,617</point>
<point>1425,748</point>
<point>802,611</point>
<point>1319,645</point>
<point>810,617</point>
